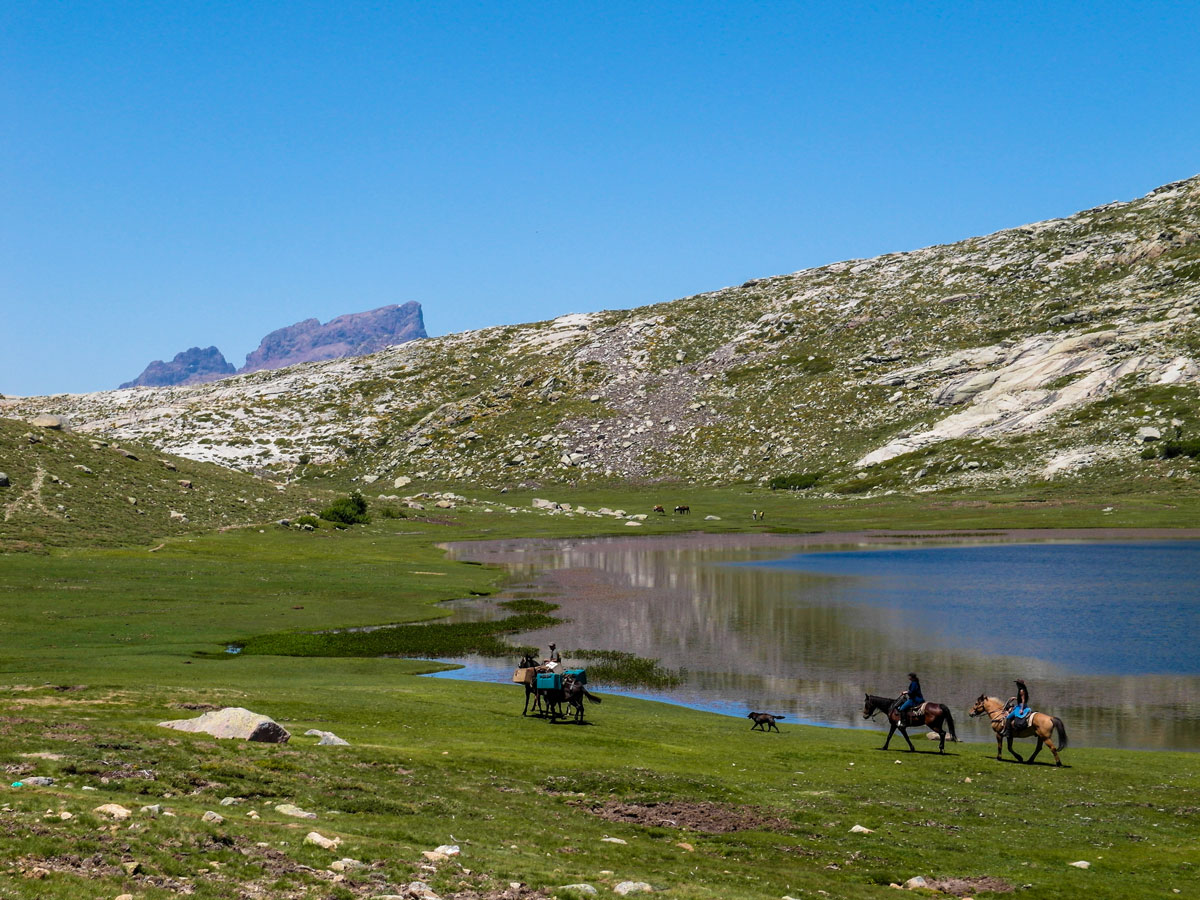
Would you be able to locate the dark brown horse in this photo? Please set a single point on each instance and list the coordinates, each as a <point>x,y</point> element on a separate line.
<point>935,716</point>
<point>683,509</point>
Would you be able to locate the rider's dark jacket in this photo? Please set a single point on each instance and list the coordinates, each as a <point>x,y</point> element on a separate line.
<point>914,691</point>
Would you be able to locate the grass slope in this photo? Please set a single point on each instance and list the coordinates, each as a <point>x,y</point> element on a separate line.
<point>99,645</point>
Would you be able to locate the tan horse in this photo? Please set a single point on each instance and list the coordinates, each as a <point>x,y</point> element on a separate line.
<point>1040,726</point>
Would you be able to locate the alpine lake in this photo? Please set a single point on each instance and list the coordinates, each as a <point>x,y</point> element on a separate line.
<point>1104,632</point>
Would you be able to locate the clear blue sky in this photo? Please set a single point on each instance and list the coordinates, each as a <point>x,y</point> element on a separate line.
<point>179,174</point>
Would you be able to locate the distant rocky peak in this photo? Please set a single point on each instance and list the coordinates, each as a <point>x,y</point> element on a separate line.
<point>354,334</point>
<point>192,366</point>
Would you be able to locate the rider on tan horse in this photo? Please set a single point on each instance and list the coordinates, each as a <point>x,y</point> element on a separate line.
<point>1020,710</point>
<point>1041,726</point>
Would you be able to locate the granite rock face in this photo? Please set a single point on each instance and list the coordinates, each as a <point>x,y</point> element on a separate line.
<point>194,366</point>
<point>355,334</point>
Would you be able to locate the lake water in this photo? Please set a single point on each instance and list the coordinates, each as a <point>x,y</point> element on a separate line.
<point>1105,633</point>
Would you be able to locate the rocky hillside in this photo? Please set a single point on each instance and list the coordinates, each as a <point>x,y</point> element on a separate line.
<point>1052,350</point>
<point>353,334</point>
<point>64,489</point>
<point>193,366</point>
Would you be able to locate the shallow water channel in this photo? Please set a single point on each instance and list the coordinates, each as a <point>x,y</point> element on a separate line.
<point>1104,632</point>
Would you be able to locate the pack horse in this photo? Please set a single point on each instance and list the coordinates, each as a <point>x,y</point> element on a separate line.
<point>557,694</point>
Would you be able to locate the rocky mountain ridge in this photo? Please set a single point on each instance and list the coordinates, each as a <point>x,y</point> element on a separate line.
<point>353,334</point>
<point>1039,352</point>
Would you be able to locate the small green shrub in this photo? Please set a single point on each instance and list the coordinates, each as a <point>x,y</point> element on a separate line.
<point>308,520</point>
<point>800,481</point>
<point>351,510</point>
<point>1188,448</point>
<point>1149,453</point>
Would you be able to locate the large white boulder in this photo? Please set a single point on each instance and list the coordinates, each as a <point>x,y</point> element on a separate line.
<point>234,722</point>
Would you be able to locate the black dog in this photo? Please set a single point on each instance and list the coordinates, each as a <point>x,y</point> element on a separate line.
<point>764,719</point>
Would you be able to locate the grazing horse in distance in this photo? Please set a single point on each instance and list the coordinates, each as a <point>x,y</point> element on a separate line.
<point>1040,726</point>
<point>935,715</point>
<point>658,508</point>
<point>683,509</point>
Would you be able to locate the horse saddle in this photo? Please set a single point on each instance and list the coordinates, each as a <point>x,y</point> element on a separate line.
<point>1018,723</point>
<point>917,713</point>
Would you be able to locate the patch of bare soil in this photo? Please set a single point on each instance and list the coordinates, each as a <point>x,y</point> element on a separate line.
<point>693,815</point>
<point>968,887</point>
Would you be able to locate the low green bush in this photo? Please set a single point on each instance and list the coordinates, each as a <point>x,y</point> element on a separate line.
<point>1188,448</point>
<point>351,510</point>
<point>308,520</point>
<point>799,481</point>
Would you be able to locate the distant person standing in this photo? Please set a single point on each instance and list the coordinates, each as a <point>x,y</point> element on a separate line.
<point>912,697</point>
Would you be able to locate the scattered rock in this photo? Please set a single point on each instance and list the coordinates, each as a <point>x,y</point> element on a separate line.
<point>402,481</point>
<point>613,840</point>
<point>346,865</point>
<point>131,867</point>
<point>84,469</point>
<point>113,811</point>
<point>712,518</point>
<point>448,849</point>
<point>153,811</point>
<point>233,722</point>
<point>4,482</point>
<point>290,809</point>
<point>55,423</point>
<point>858,829</point>
<point>370,479</point>
<point>319,840</point>
<point>327,738</point>
<point>213,817</point>
<point>1081,864</point>
<point>232,801</point>
<point>185,484</point>
<point>632,887</point>
<point>39,781</point>
<point>1147,434</point>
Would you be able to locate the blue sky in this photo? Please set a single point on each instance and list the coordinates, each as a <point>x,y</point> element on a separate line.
<point>189,174</point>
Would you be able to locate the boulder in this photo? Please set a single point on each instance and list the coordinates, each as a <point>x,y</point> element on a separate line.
<point>214,817</point>
<point>327,738</point>
<point>402,481</point>
<point>4,482</point>
<point>1147,434</point>
<point>234,722</point>
<point>581,888</point>
<point>46,420</point>
<point>290,809</point>
<point>632,887</point>
<point>113,811</point>
<point>319,840</point>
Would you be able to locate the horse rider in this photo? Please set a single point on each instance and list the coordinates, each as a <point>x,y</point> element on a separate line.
<point>555,657</point>
<point>1020,709</point>
<point>912,697</point>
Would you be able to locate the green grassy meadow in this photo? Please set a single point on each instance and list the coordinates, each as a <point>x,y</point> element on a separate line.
<point>101,644</point>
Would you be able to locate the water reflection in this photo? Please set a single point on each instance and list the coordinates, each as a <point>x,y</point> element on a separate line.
<point>807,636</point>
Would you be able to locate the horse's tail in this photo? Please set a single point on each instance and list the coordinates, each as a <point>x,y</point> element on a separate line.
<point>950,723</point>
<point>1062,732</point>
<point>590,696</point>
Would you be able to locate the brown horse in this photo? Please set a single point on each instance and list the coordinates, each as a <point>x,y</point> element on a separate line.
<point>935,716</point>
<point>1040,726</point>
<point>683,509</point>
<point>658,508</point>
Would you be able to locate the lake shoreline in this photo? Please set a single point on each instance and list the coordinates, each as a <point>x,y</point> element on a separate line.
<point>620,578</point>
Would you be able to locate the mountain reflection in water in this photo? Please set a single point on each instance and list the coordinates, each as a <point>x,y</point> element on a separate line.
<point>1103,632</point>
